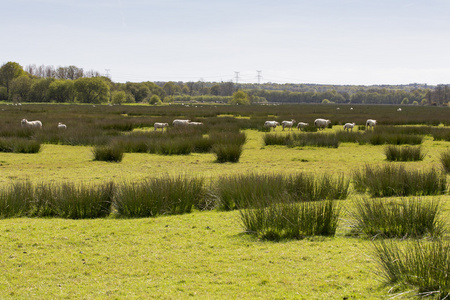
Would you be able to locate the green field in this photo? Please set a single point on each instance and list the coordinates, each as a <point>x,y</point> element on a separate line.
<point>204,254</point>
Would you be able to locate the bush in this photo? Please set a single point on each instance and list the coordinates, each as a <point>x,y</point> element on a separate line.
<point>282,218</point>
<point>420,265</point>
<point>227,152</point>
<point>394,153</point>
<point>404,218</point>
<point>108,153</point>
<point>394,180</point>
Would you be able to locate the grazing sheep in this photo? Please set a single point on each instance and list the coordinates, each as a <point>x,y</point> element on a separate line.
<point>178,122</point>
<point>370,123</point>
<point>31,124</point>
<point>195,123</point>
<point>288,124</point>
<point>321,123</point>
<point>160,125</point>
<point>302,125</point>
<point>348,126</point>
<point>271,124</point>
<point>399,109</point>
<point>351,108</point>
<point>62,126</point>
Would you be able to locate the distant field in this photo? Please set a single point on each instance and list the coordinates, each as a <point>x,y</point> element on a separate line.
<point>204,254</point>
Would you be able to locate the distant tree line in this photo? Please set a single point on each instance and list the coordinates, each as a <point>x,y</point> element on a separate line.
<point>74,85</point>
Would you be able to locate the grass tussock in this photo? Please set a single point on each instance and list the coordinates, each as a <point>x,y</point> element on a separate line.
<point>159,196</point>
<point>445,161</point>
<point>407,153</point>
<point>19,145</point>
<point>415,218</point>
<point>419,267</point>
<point>395,180</point>
<point>283,218</point>
<point>109,153</point>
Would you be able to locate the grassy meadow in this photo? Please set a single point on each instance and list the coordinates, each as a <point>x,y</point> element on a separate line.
<point>204,254</point>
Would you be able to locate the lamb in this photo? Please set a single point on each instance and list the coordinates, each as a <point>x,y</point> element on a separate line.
<point>62,126</point>
<point>160,125</point>
<point>348,126</point>
<point>371,123</point>
<point>288,124</point>
<point>195,123</point>
<point>302,125</point>
<point>32,124</point>
<point>321,123</point>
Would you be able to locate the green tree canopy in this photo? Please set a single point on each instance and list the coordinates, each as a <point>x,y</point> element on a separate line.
<point>61,91</point>
<point>92,90</point>
<point>9,72</point>
<point>240,98</point>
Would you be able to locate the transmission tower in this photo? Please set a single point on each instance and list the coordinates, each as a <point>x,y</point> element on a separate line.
<point>259,76</point>
<point>236,76</point>
<point>107,73</point>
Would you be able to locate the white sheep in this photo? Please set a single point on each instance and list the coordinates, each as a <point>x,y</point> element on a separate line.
<point>321,123</point>
<point>399,109</point>
<point>32,124</point>
<point>302,125</point>
<point>348,126</point>
<point>370,123</point>
<point>160,125</point>
<point>288,124</point>
<point>195,123</point>
<point>178,122</point>
<point>271,124</point>
<point>62,126</point>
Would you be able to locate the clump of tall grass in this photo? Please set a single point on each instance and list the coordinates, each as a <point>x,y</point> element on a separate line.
<point>395,153</point>
<point>283,218</point>
<point>19,145</point>
<point>445,161</point>
<point>441,134</point>
<point>395,180</point>
<point>109,153</point>
<point>159,196</point>
<point>82,201</point>
<point>227,146</point>
<point>414,217</point>
<point>177,146</point>
<point>240,191</point>
<point>375,138</point>
<point>271,139</point>
<point>16,199</point>
<point>420,266</point>
<point>329,140</point>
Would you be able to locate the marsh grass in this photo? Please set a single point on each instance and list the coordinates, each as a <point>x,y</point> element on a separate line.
<point>329,140</point>
<point>395,180</point>
<point>242,190</point>
<point>159,196</point>
<point>407,217</point>
<point>445,161</point>
<point>108,153</point>
<point>283,218</point>
<point>19,145</point>
<point>407,153</point>
<point>420,266</point>
<point>16,199</point>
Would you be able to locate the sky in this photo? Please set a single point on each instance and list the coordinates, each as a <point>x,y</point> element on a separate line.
<point>362,42</point>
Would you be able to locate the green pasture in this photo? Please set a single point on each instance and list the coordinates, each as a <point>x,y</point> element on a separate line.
<point>201,255</point>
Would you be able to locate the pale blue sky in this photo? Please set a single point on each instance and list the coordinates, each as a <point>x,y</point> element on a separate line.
<point>314,41</point>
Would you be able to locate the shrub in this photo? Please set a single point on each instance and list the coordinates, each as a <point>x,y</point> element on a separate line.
<point>419,265</point>
<point>394,153</point>
<point>404,218</point>
<point>445,161</point>
<point>394,180</point>
<point>227,152</point>
<point>282,218</point>
<point>159,196</point>
<point>108,153</point>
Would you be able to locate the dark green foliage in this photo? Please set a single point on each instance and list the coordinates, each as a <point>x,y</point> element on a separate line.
<point>407,153</point>
<point>177,146</point>
<point>16,200</point>
<point>302,139</point>
<point>19,145</point>
<point>395,180</point>
<point>282,218</point>
<point>419,265</point>
<point>227,152</point>
<point>159,196</point>
<point>108,153</point>
<point>445,161</point>
<point>414,217</point>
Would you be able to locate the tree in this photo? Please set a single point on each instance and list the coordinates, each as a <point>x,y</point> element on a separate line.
<point>20,88</point>
<point>92,90</point>
<point>171,88</point>
<point>155,100</point>
<point>119,97</point>
<point>9,72</point>
<point>39,89</point>
<point>405,101</point>
<point>61,91</point>
<point>240,98</point>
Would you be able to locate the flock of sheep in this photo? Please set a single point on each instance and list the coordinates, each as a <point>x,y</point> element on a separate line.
<point>38,124</point>
<point>319,123</point>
